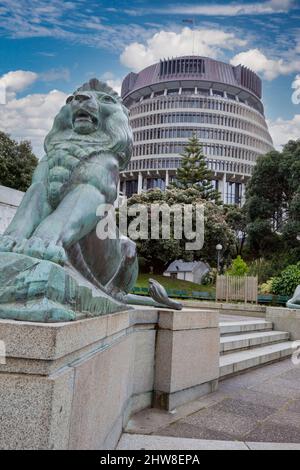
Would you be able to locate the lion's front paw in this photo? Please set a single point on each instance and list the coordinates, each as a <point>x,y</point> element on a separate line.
<point>19,245</point>
<point>38,248</point>
<point>116,293</point>
<point>7,243</point>
<point>55,253</point>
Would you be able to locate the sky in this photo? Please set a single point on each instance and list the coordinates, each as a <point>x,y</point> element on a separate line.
<point>48,49</point>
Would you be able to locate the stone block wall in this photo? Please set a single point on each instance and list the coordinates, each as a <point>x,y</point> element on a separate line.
<point>75,385</point>
<point>9,201</point>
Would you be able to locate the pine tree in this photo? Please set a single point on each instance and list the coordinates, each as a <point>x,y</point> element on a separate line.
<point>194,173</point>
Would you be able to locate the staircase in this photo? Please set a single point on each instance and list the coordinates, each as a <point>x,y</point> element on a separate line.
<point>248,344</point>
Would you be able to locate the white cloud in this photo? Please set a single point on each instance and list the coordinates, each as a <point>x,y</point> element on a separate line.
<point>207,42</point>
<point>296,93</point>
<point>16,81</point>
<point>55,74</point>
<point>283,130</point>
<point>229,9</point>
<point>268,68</point>
<point>31,117</point>
<point>77,22</point>
<point>115,84</point>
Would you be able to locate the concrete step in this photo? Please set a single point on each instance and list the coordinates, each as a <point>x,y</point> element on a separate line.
<point>237,327</point>
<point>250,340</point>
<point>242,360</point>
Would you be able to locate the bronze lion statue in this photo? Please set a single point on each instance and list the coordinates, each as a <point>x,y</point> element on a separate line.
<point>89,143</point>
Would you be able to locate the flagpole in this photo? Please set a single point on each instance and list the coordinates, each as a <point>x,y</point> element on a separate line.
<point>192,22</point>
<point>193,35</point>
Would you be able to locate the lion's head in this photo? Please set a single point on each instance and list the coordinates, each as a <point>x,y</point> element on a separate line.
<point>93,117</point>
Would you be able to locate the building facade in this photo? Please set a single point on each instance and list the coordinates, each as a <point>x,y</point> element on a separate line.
<point>171,100</point>
<point>193,271</point>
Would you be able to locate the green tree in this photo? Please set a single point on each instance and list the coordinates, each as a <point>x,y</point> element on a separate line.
<point>238,268</point>
<point>160,253</point>
<point>17,163</point>
<point>236,218</point>
<point>194,173</point>
<point>273,205</point>
<point>287,281</point>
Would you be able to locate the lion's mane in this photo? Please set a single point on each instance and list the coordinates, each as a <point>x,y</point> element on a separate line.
<point>65,148</point>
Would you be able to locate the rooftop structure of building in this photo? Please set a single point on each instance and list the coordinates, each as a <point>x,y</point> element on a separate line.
<point>175,98</point>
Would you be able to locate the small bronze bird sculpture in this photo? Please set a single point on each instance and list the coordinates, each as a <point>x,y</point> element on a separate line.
<point>159,294</point>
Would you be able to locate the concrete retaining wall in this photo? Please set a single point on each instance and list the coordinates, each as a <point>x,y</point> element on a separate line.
<point>10,199</point>
<point>285,319</point>
<point>75,385</point>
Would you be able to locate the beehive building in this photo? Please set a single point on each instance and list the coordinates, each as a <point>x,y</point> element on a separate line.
<point>175,98</point>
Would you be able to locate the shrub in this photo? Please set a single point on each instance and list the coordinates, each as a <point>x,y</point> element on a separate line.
<point>265,269</point>
<point>287,281</point>
<point>267,287</point>
<point>210,278</point>
<point>238,268</point>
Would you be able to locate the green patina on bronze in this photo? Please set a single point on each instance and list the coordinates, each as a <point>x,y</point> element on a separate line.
<point>294,302</point>
<point>39,290</point>
<point>53,265</point>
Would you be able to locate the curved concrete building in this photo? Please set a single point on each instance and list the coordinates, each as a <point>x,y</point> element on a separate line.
<point>175,98</point>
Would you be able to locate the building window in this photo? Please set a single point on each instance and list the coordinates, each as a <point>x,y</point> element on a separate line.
<point>231,97</point>
<point>218,93</point>
<point>151,183</point>
<point>173,91</point>
<point>233,193</point>
<point>131,187</point>
<point>188,91</point>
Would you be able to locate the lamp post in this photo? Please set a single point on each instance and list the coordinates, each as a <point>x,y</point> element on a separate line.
<point>219,248</point>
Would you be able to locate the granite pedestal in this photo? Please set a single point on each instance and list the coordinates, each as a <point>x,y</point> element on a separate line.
<point>74,385</point>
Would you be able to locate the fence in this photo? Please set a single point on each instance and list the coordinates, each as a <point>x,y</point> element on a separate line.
<point>232,288</point>
<point>268,299</point>
<point>179,294</point>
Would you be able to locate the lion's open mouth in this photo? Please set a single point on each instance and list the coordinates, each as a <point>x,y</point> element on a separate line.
<point>84,116</point>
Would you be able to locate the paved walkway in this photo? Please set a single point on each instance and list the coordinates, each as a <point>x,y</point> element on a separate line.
<point>140,442</point>
<point>262,405</point>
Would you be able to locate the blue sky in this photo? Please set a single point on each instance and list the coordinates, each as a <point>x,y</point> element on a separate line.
<point>48,49</point>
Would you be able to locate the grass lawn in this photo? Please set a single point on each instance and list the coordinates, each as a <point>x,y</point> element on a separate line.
<point>170,283</point>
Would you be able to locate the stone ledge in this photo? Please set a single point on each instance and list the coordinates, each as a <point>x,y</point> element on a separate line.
<point>50,341</point>
<point>285,319</point>
<point>88,377</point>
<point>10,196</point>
<point>239,309</point>
<point>49,366</point>
<point>187,319</point>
